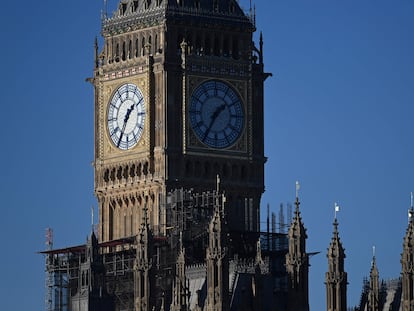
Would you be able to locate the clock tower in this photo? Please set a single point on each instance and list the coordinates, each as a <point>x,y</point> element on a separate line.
<point>178,100</point>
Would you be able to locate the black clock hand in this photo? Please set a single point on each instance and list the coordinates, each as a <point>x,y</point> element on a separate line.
<point>214,116</point>
<point>125,123</point>
<point>128,113</point>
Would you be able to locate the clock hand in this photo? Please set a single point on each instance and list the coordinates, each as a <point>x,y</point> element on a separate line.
<point>128,113</point>
<point>214,116</point>
<point>129,110</point>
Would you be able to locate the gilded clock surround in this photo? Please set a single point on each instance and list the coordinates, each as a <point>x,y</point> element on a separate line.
<point>126,116</point>
<point>142,144</point>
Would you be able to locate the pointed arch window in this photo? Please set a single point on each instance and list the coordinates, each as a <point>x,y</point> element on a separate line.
<point>136,48</point>
<point>156,48</point>
<point>123,51</point>
<point>117,53</point>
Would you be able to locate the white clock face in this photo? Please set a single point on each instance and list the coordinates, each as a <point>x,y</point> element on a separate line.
<point>216,114</point>
<point>126,116</point>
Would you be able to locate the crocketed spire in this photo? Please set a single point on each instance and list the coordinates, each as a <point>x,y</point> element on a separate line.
<point>373,296</point>
<point>336,277</point>
<point>297,263</point>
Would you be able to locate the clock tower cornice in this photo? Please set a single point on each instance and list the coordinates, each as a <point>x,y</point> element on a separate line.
<point>126,23</point>
<point>128,17</point>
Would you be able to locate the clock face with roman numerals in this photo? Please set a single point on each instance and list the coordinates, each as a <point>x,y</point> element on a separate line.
<point>126,116</point>
<point>216,114</point>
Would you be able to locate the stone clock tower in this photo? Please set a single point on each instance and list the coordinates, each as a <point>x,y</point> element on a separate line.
<point>178,101</point>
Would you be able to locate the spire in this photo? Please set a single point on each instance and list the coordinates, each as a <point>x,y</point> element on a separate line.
<point>181,284</point>
<point>217,259</point>
<point>297,262</point>
<point>142,266</point>
<point>373,295</point>
<point>336,277</point>
<point>96,53</point>
<point>407,262</point>
<point>261,49</point>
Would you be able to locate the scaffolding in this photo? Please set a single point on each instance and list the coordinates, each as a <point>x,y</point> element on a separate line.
<point>187,216</point>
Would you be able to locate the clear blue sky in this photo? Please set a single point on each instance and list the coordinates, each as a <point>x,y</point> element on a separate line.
<point>339,118</point>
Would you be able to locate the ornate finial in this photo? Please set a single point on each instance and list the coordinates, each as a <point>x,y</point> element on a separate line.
<point>218,183</point>
<point>297,189</point>
<point>373,251</point>
<point>336,209</point>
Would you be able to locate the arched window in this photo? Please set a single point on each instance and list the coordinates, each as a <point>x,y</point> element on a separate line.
<point>126,172</point>
<point>123,51</point>
<point>156,50</point>
<point>143,46</point>
<point>117,53</point>
<point>106,175</point>
<point>132,171</point>
<point>136,48</point>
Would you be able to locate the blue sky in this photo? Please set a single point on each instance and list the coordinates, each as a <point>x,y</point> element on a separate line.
<point>339,114</point>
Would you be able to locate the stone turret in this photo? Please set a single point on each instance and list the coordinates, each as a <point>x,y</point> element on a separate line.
<point>180,293</point>
<point>297,264</point>
<point>142,267</point>
<point>217,261</point>
<point>374,290</point>
<point>336,277</point>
